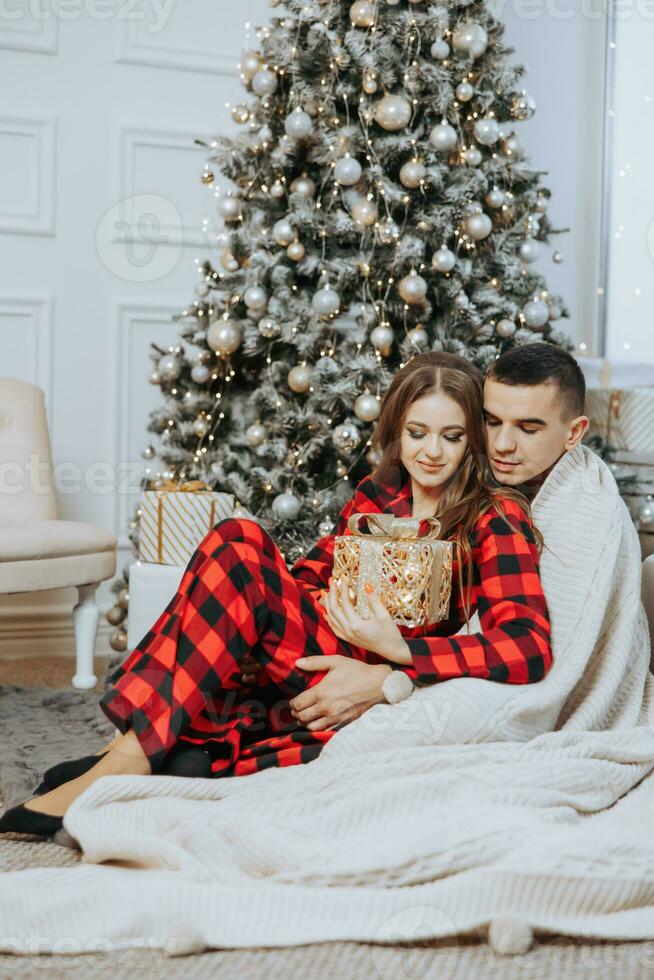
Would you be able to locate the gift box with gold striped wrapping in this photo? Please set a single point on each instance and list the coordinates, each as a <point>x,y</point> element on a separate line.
<point>175,517</point>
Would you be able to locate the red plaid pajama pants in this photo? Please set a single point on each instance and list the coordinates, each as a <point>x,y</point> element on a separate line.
<point>182,681</point>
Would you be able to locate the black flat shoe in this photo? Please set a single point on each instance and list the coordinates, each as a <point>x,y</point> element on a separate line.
<point>23,821</point>
<point>63,772</point>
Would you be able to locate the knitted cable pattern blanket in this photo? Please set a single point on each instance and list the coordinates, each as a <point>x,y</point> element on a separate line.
<point>468,802</point>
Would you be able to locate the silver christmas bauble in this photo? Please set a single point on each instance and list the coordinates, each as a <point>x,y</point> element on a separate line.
<point>472,156</point>
<point>296,251</point>
<point>366,407</point>
<point>364,212</point>
<point>362,13</point>
<point>255,434</point>
<point>412,288</point>
<point>464,91</point>
<point>283,232</point>
<point>250,64</point>
<point>264,82</point>
<point>412,173</point>
<point>303,185</point>
<point>495,198</point>
<point>224,336</point>
<point>513,146</point>
<point>478,226</point>
<point>369,84</point>
<point>470,38</point>
<point>268,327</point>
<point>255,298</point>
<point>440,50</point>
<point>486,131</point>
<point>418,338</point>
<point>557,257</point>
<point>387,231</point>
<point>169,367</point>
<point>646,515</point>
<point>200,427</point>
<point>347,171</point>
<point>506,328</point>
<point>277,189</point>
<point>536,314</point>
<point>298,124</point>
<point>154,378</point>
<point>523,106</point>
<point>324,528</point>
<point>444,259</point>
<point>346,437</point>
<point>443,137</point>
<point>299,378</point>
<point>529,250</point>
<point>200,373</point>
<point>461,300</point>
<point>382,338</point>
<point>286,506</point>
<point>229,208</point>
<point>326,302</point>
<point>393,112</point>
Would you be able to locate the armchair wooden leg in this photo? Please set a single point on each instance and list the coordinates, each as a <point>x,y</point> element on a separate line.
<point>86,617</point>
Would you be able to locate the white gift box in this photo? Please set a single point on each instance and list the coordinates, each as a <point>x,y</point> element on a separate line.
<point>620,403</point>
<point>151,588</point>
<point>174,522</point>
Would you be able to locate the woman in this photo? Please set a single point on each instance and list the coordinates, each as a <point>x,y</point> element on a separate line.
<point>182,688</point>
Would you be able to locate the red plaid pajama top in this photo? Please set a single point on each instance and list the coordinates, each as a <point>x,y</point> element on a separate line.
<point>237,596</point>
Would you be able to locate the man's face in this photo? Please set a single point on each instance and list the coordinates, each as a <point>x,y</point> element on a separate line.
<point>526,430</point>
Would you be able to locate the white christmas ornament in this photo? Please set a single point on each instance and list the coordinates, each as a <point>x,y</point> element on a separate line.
<point>472,156</point>
<point>347,171</point>
<point>169,367</point>
<point>387,231</point>
<point>364,212</point>
<point>200,373</point>
<point>536,314</point>
<point>296,251</point>
<point>224,336</point>
<point>250,64</point>
<point>464,91</point>
<point>200,427</point>
<point>299,378</point>
<point>440,50</point>
<point>418,337</point>
<point>298,124</point>
<point>443,137</point>
<point>487,131</point>
<point>277,189</point>
<point>366,407</point>
<point>412,288</point>
<point>412,173</point>
<point>495,198</point>
<point>283,232</point>
<point>326,302</point>
<point>478,226</point>
<point>506,328</point>
<point>382,339</point>
<point>255,434</point>
<point>393,112</point>
<point>346,437</point>
<point>303,185</point>
<point>529,250</point>
<point>268,327</point>
<point>443,260</point>
<point>255,298</point>
<point>229,208</point>
<point>286,506</point>
<point>470,38</point>
<point>264,82</point>
<point>362,13</point>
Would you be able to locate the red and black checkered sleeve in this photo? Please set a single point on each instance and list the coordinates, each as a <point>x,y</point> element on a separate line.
<point>315,568</point>
<point>514,646</point>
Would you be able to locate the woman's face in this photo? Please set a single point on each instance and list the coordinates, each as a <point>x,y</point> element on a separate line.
<point>433,440</point>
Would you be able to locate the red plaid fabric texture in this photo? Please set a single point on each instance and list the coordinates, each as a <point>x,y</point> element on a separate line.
<point>237,596</point>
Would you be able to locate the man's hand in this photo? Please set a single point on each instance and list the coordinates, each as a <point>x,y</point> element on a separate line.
<point>348,690</point>
<point>380,633</point>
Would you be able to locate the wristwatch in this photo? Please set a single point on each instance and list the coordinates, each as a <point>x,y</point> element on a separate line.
<point>397,686</point>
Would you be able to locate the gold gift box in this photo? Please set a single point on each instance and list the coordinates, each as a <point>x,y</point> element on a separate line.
<point>410,572</point>
<point>175,517</point>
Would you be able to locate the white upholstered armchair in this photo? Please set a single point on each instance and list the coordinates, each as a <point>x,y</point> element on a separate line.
<point>37,550</point>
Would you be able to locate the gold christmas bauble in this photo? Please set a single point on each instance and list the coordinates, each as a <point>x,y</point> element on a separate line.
<point>299,378</point>
<point>115,616</point>
<point>207,177</point>
<point>296,251</point>
<point>362,13</point>
<point>393,112</point>
<point>240,114</point>
<point>118,641</point>
<point>364,212</point>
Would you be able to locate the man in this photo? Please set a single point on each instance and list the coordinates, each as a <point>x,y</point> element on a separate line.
<point>533,407</point>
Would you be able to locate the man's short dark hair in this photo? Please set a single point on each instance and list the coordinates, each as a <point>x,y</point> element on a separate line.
<point>539,364</point>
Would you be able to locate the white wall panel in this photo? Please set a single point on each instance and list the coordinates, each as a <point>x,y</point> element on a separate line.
<point>27,188</point>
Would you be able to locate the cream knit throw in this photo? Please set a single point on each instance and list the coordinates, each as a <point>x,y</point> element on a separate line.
<point>470,804</point>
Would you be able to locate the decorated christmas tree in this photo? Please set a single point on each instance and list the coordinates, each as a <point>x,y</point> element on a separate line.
<point>380,205</point>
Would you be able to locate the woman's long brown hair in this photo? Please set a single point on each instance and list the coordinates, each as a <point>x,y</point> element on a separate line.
<point>470,492</point>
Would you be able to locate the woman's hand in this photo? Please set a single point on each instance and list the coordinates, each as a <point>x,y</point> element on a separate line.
<point>379,634</point>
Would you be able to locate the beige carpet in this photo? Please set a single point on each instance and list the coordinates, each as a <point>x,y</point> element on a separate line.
<point>550,957</point>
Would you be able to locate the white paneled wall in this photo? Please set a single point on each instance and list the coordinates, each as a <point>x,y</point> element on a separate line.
<point>101,221</point>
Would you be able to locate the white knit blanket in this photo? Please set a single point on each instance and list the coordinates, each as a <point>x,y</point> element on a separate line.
<point>469,802</point>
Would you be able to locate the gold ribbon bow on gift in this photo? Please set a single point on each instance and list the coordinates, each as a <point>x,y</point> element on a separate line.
<point>170,486</point>
<point>396,527</point>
